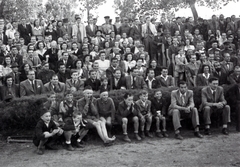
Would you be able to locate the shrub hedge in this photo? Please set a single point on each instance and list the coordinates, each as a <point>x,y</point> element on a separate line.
<point>23,113</point>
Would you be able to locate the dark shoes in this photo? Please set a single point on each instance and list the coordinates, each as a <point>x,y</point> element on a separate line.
<point>197,134</point>
<point>207,132</point>
<point>159,134</point>
<point>126,139</point>
<point>178,136</point>
<point>225,131</point>
<point>164,134</point>
<point>142,134</point>
<point>148,134</point>
<point>51,147</point>
<point>108,143</point>
<point>137,137</point>
<point>40,151</point>
<point>69,147</point>
<point>79,145</point>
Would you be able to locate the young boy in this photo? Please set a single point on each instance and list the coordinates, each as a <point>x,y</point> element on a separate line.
<point>143,107</point>
<point>72,131</point>
<point>158,109</point>
<point>46,133</point>
<point>104,85</point>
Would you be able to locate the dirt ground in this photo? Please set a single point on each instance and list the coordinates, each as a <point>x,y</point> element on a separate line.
<point>215,150</point>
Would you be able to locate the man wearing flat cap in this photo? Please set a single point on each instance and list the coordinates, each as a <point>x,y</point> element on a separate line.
<point>78,29</point>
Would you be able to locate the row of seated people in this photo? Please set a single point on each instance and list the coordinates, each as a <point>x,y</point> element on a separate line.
<point>73,118</point>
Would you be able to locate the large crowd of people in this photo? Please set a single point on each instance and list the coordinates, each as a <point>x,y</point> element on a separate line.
<point>51,57</point>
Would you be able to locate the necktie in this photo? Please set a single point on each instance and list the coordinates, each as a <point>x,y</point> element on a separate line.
<point>183,99</point>
<point>33,86</point>
<point>214,96</point>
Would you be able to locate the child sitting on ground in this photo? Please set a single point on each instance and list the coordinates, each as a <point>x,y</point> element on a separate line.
<point>46,132</point>
<point>73,132</point>
<point>159,107</point>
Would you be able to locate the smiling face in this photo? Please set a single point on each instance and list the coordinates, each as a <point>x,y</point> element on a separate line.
<point>46,117</point>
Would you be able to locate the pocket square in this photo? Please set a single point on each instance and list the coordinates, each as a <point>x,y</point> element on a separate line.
<point>39,86</point>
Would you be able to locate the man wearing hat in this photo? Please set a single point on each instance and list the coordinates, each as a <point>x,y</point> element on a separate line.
<point>66,28</point>
<point>117,24</point>
<point>107,27</point>
<point>214,47</point>
<point>91,28</point>
<point>15,73</point>
<point>78,29</point>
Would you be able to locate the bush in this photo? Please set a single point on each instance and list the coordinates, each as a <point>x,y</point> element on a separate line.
<point>23,113</point>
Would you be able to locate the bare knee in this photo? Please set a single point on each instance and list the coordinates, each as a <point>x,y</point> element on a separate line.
<point>124,120</point>
<point>135,119</point>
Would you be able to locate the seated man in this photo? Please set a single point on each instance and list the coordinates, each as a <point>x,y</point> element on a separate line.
<point>93,81</point>
<point>143,107</point>
<point>126,112</point>
<point>75,83</point>
<point>114,66</point>
<point>54,86</point>
<point>182,105</point>
<point>213,101</point>
<point>117,81</point>
<point>234,77</point>
<point>46,132</point>
<point>150,80</point>
<point>45,73</point>
<point>133,81</point>
<point>63,73</point>
<point>164,79</point>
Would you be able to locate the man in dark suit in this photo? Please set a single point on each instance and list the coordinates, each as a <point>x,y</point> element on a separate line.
<point>136,30</point>
<point>227,66</point>
<point>164,79</point>
<point>91,28</point>
<point>182,105</point>
<point>113,66</point>
<point>25,31</point>
<point>178,26</point>
<point>15,74</point>
<point>31,86</point>
<point>52,56</point>
<point>235,76</point>
<point>63,73</point>
<point>54,86</point>
<point>213,101</point>
<point>75,83</point>
<point>76,50</point>
<point>93,81</point>
<point>218,73</point>
<point>117,81</point>
<point>66,60</point>
<point>3,37</point>
<point>150,80</point>
<point>134,81</point>
<point>15,56</point>
<point>45,74</point>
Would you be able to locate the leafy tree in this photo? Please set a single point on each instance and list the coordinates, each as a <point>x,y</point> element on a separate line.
<point>141,6</point>
<point>90,5</point>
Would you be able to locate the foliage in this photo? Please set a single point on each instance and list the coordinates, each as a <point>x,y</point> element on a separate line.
<point>23,113</point>
<point>123,7</point>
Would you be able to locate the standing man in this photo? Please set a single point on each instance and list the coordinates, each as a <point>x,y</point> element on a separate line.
<point>31,86</point>
<point>78,29</point>
<point>213,101</point>
<point>107,27</point>
<point>182,105</point>
<point>91,29</point>
<point>148,33</point>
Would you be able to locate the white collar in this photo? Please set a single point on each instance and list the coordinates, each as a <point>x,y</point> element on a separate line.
<point>147,79</point>
<point>165,78</point>
<point>206,76</point>
<point>182,94</point>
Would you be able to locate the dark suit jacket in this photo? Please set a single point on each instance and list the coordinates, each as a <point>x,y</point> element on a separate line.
<point>12,92</point>
<point>64,76</point>
<point>110,70</point>
<point>18,59</point>
<point>233,78</point>
<point>45,75</point>
<point>207,96</point>
<point>167,83</point>
<point>25,32</point>
<point>176,101</point>
<point>158,105</point>
<point>95,85</point>
<point>141,109</point>
<point>155,83</point>
<point>136,32</point>
<point>121,83</point>
<point>53,59</point>
<point>139,83</point>
<point>79,85</point>
<point>225,71</point>
<point>16,77</point>
<point>58,89</point>
<point>175,28</point>
<point>5,38</point>
<point>90,32</point>
<point>26,88</point>
<point>68,64</point>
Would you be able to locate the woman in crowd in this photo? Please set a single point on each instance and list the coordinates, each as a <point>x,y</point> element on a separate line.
<point>82,72</point>
<point>40,50</point>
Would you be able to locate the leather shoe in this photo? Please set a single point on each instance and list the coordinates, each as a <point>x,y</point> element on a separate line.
<point>79,145</point>
<point>197,134</point>
<point>126,138</point>
<point>207,132</point>
<point>178,136</point>
<point>148,134</point>
<point>69,147</point>
<point>40,151</point>
<point>225,131</point>
<point>164,134</point>
<point>159,134</point>
<point>142,134</point>
<point>137,137</point>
